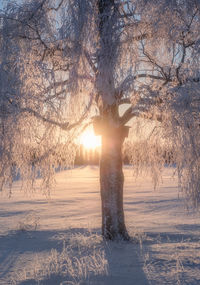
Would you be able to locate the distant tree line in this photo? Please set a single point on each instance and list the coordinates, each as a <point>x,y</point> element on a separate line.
<point>87,156</point>
<point>92,156</point>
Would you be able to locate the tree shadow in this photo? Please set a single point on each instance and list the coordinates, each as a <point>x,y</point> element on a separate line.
<point>123,258</point>
<point>125,264</point>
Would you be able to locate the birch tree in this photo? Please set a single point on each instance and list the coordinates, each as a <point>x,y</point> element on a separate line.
<point>77,61</point>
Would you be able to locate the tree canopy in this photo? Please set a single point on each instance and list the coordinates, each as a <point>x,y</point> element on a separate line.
<point>63,62</point>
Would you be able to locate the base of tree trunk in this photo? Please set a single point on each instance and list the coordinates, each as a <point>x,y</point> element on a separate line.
<point>117,237</point>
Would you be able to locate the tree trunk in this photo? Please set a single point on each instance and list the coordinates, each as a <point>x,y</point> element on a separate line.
<point>111,182</point>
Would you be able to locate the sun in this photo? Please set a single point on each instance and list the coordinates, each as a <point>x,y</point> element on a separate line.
<point>89,140</point>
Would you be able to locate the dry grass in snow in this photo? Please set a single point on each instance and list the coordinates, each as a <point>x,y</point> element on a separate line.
<point>72,265</point>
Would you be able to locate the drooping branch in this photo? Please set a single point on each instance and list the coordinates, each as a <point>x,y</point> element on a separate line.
<point>64,126</point>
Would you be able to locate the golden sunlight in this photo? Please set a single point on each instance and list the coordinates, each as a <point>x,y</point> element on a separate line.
<point>89,140</point>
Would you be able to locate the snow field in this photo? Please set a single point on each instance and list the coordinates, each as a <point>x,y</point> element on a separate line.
<point>57,240</point>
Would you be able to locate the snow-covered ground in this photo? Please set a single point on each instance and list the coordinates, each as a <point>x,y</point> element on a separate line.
<point>57,241</point>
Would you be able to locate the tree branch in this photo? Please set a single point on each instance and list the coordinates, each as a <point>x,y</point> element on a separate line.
<point>135,38</point>
<point>64,126</point>
<point>150,76</point>
<point>153,61</point>
<point>141,112</point>
<point>119,90</point>
<point>56,8</point>
<point>124,101</point>
<point>54,85</point>
<point>127,116</point>
<point>90,62</point>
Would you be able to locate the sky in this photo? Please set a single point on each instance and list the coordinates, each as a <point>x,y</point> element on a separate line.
<point>4,2</point>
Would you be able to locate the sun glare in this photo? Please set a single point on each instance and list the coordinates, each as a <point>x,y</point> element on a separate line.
<point>89,140</point>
